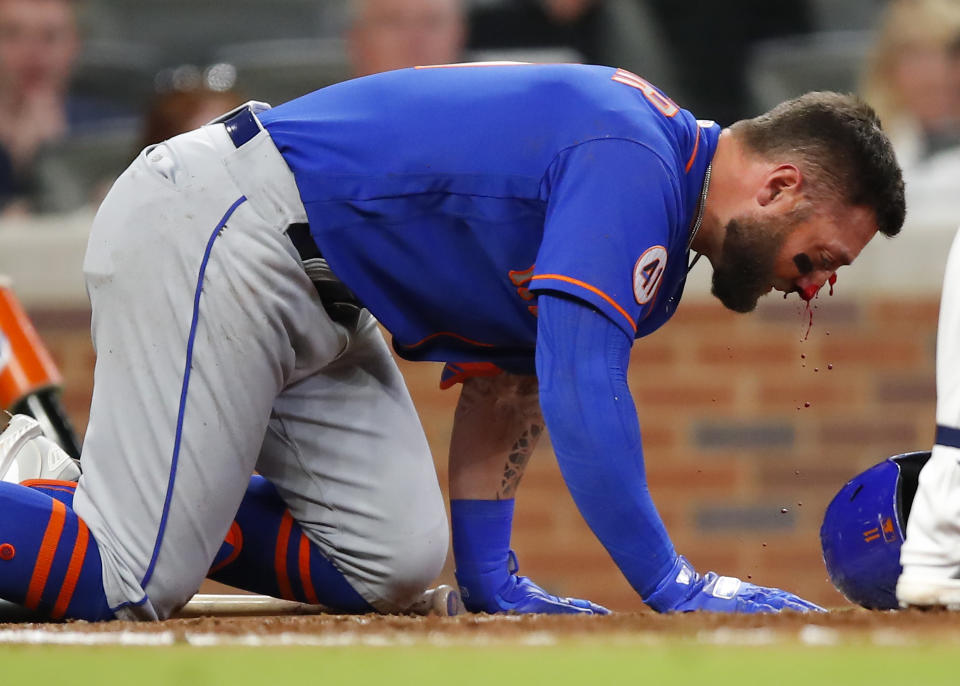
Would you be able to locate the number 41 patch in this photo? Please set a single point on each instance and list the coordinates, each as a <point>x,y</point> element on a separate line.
<point>648,273</point>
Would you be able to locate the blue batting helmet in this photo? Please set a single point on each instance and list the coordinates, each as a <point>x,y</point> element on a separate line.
<point>863,530</point>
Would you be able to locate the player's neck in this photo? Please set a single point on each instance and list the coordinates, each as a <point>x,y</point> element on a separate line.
<point>708,239</point>
<point>734,176</point>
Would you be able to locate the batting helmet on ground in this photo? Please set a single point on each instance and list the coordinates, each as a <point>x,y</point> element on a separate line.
<point>863,529</point>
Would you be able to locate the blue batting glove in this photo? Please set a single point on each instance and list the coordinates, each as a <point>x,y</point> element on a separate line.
<point>521,594</point>
<point>684,590</point>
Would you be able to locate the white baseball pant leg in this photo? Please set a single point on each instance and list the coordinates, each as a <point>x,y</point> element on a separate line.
<point>932,545</point>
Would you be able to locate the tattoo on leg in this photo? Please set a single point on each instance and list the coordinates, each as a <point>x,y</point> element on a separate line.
<point>518,458</point>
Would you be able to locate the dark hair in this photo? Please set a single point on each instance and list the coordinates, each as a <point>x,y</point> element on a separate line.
<point>837,140</point>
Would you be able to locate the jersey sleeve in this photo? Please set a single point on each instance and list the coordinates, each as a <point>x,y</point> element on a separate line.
<point>611,210</point>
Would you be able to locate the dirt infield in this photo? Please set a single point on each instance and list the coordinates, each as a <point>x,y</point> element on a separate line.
<point>892,628</point>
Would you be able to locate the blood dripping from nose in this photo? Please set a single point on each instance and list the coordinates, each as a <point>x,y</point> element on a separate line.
<point>808,294</point>
<point>810,320</point>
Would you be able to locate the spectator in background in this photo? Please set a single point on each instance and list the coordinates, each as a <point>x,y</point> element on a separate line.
<point>392,34</point>
<point>913,76</point>
<point>710,43</point>
<point>912,79</point>
<point>39,45</point>
<point>573,24</point>
<point>619,33</point>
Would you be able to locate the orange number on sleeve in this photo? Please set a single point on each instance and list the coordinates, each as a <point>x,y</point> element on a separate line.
<point>665,105</point>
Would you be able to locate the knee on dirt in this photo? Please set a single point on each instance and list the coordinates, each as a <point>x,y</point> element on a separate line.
<point>413,564</point>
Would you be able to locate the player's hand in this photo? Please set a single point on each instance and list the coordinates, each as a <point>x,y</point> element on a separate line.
<point>684,590</point>
<point>521,594</point>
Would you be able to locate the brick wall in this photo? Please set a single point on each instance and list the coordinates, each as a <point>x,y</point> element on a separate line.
<point>750,426</point>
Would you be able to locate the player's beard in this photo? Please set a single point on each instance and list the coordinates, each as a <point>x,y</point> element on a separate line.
<point>745,269</point>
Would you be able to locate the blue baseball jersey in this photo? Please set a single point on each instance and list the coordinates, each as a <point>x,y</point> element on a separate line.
<point>448,197</point>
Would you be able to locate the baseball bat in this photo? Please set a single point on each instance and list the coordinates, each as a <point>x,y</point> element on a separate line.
<point>443,600</point>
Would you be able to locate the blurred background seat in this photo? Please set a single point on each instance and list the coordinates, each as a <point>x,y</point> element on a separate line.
<point>844,15</point>
<point>193,30</point>
<point>77,171</point>
<point>277,70</point>
<point>782,68</point>
<point>116,71</point>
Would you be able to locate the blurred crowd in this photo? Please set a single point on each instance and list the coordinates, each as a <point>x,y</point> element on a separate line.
<point>85,84</point>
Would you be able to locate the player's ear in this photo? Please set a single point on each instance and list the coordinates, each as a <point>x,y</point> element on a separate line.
<point>780,182</point>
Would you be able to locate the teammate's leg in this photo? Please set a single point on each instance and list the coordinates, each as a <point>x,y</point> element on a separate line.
<point>931,551</point>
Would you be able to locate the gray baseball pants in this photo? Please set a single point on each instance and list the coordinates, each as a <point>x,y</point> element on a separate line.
<point>215,358</point>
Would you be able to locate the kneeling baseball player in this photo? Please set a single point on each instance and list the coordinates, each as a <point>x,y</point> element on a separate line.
<point>538,218</point>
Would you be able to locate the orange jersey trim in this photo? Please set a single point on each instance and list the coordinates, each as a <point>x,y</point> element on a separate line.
<point>48,549</point>
<point>305,579</point>
<point>451,335</point>
<point>592,289</point>
<point>51,485</point>
<point>280,556</point>
<point>48,483</point>
<point>693,155</point>
<point>73,570</point>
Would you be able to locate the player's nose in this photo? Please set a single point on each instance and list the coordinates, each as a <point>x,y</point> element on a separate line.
<point>808,284</point>
<point>817,277</point>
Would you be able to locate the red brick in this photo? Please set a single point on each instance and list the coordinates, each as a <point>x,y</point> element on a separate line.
<point>916,388</point>
<point>796,314</point>
<point>658,437</point>
<point>869,432</point>
<point>746,354</point>
<point>905,312</point>
<point>647,353</point>
<point>711,558</point>
<point>795,478</point>
<point>815,393</point>
<point>50,319</point>
<point>709,313</point>
<point>686,395</point>
<point>693,478</point>
<point>874,351</point>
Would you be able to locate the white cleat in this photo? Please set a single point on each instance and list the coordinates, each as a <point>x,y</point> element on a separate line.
<point>927,591</point>
<point>25,453</point>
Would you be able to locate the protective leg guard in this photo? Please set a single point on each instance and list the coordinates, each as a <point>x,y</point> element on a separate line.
<point>267,552</point>
<point>48,560</point>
